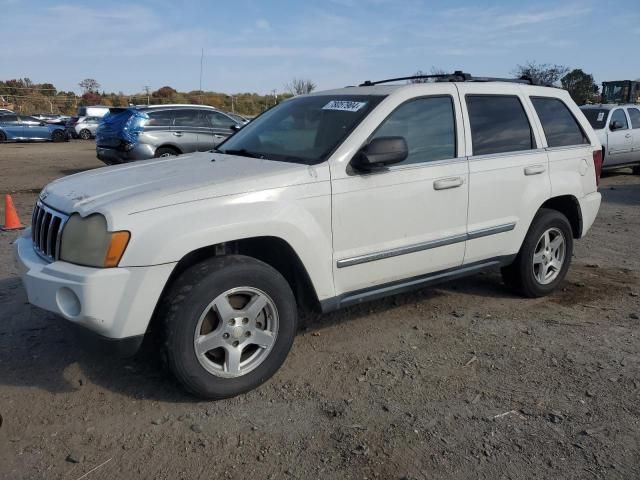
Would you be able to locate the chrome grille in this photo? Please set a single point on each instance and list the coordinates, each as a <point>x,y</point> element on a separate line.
<point>46,231</point>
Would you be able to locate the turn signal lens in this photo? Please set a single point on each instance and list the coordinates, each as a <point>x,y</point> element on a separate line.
<point>117,246</point>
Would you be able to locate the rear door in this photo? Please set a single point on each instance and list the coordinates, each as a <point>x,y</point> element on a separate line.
<point>508,169</point>
<point>620,140</point>
<point>188,124</point>
<point>634,117</point>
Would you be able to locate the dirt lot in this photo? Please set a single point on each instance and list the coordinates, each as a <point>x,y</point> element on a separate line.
<point>460,381</point>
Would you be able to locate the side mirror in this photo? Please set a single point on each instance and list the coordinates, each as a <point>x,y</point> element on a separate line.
<point>42,124</point>
<point>380,152</point>
<point>236,127</point>
<point>616,125</point>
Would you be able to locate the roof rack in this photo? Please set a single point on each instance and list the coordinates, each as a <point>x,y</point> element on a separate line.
<point>457,76</point>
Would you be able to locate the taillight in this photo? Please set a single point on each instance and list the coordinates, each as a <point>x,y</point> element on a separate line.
<point>597,164</point>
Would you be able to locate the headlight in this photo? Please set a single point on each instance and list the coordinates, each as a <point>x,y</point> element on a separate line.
<point>86,241</point>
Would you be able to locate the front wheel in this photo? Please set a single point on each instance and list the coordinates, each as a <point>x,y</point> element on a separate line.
<point>84,134</point>
<point>544,258</point>
<point>58,136</point>
<point>229,324</point>
<point>3,137</point>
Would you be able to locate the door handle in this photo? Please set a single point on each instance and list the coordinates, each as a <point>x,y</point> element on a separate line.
<point>628,135</point>
<point>534,169</point>
<point>177,134</point>
<point>447,183</point>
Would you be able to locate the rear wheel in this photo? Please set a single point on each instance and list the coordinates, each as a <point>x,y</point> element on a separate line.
<point>163,152</point>
<point>229,325</point>
<point>84,134</point>
<point>544,258</point>
<point>3,137</point>
<point>58,136</point>
<point>636,170</point>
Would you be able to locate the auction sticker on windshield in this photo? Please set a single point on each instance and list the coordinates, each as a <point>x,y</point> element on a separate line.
<point>344,105</point>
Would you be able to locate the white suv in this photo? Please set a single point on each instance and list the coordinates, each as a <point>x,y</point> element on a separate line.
<point>327,200</point>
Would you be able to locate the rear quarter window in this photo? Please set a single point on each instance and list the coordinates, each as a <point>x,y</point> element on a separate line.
<point>499,124</point>
<point>560,126</point>
<point>163,118</point>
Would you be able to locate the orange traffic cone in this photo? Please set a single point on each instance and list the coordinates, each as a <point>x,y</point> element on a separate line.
<point>11,220</point>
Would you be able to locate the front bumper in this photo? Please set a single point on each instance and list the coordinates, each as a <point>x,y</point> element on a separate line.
<point>116,303</point>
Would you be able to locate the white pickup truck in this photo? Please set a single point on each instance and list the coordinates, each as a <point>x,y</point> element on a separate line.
<point>324,201</point>
<point>618,129</point>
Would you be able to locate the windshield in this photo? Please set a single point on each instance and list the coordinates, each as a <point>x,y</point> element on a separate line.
<point>302,130</point>
<point>597,117</point>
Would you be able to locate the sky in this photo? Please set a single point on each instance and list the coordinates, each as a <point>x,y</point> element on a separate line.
<point>259,46</point>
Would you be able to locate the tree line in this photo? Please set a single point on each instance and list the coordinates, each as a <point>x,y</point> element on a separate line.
<point>579,84</point>
<point>25,96</point>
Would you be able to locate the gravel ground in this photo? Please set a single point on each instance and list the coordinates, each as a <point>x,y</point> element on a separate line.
<point>460,381</point>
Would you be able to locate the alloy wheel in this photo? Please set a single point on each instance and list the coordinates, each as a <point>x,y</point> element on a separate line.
<point>236,332</point>
<point>549,256</point>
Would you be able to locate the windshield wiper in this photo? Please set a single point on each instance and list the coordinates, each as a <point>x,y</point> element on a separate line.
<point>243,152</point>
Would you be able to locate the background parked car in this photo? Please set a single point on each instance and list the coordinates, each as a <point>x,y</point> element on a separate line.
<point>618,128</point>
<point>84,127</point>
<point>92,111</point>
<point>24,128</point>
<point>139,133</point>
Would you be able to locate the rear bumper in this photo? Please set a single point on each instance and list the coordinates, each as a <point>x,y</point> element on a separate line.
<point>589,206</point>
<point>116,303</point>
<point>113,156</point>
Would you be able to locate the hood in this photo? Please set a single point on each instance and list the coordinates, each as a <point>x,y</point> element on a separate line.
<point>150,184</point>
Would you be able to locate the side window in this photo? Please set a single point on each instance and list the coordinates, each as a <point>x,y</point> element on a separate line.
<point>634,114</point>
<point>190,118</point>
<point>8,118</point>
<point>498,124</point>
<point>163,118</point>
<point>559,125</point>
<point>619,116</point>
<point>218,120</point>
<point>428,126</point>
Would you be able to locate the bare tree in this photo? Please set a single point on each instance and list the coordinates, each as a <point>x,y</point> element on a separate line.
<point>89,85</point>
<point>541,73</point>
<point>433,71</point>
<point>299,86</point>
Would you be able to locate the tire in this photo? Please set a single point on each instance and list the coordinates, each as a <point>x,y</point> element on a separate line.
<point>537,271</point>
<point>84,134</point>
<point>636,170</point>
<point>3,137</point>
<point>165,152</point>
<point>58,136</point>
<point>205,305</point>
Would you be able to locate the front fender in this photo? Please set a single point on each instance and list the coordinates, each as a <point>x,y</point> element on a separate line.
<point>299,215</point>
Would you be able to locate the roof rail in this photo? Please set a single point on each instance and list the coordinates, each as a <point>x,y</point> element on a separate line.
<point>457,76</point>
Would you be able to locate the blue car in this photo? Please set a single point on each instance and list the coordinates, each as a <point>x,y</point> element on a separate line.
<point>15,128</point>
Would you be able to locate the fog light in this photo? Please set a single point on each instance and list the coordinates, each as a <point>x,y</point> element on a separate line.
<point>68,302</point>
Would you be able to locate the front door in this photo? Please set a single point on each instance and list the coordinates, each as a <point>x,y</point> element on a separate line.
<point>219,128</point>
<point>34,129</point>
<point>619,138</point>
<point>408,220</point>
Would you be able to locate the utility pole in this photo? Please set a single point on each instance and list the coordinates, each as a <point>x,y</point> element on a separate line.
<point>275,96</point>
<point>146,89</point>
<point>201,60</point>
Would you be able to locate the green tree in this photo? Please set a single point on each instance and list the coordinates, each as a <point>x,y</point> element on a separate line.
<point>580,85</point>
